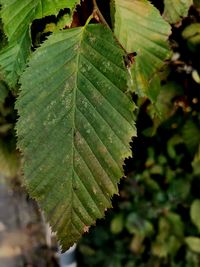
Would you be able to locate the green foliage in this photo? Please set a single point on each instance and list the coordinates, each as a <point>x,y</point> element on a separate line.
<point>147,36</point>
<point>17,16</point>
<point>159,200</point>
<point>117,224</point>
<point>192,34</point>
<point>193,243</point>
<point>195,213</point>
<point>77,118</point>
<point>175,10</point>
<point>196,163</point>
<point>155,204</point>
<point>191,135</point>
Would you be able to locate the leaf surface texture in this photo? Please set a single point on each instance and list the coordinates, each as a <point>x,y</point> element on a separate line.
<point>17,16</point>
<point>175,10</point>
<point>140,28</point>
<point>80,122</point>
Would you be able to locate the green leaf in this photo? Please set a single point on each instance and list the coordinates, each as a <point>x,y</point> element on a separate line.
<point>137,225</point>
<point>165,104</point>
<point>49,7</point>
<point>80,123</point>
<point>117,224</point>
<point>191,31</point>
<point>195,213</point>
<point>192,34</point>
<point>164,107</point>
<point>140,28</point>
<point>169,238</point>
<point>195,74</point>
<point>17,16</point>
<point>191,135</point>
<point>179,189</point>
<point>193,243</point>
<point>196,163</point>
<point>175,10</point>
<point>176,224</point>
<point>62,23</point>
<point>13,59</point>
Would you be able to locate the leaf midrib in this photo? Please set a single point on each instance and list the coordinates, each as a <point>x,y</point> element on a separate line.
<point>74,121</point>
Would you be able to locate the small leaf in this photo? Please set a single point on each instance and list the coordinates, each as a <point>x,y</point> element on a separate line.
<point>136,245</point>
<point>179,189</point>
<point>145,34</point>
<point>175,10</point>
<point>117,224</point>
<point>195,213</point>
<point>192,34</point>
<point>176,224</point>
<point>159,249</point>
<point>196,163</point>
<point>191,135</point>
<point>136,225</point>
<point>195,76</point>
<point>80,125</point>
<point>63,22</point>
<point>165,103</point>
<point>193,243</point>
<point>191,31</point>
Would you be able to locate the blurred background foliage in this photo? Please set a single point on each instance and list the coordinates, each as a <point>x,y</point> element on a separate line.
<point>156,219</point>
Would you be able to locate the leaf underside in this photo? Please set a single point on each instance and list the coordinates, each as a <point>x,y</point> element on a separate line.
<point>80,123</point>
<point>17,16</point>
<point>175,10</point>
<point>140,28</point>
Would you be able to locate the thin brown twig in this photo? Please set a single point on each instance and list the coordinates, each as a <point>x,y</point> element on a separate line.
<point>97,13</point>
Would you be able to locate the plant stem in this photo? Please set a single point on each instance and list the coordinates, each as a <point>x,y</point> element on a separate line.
<point>96,11</point>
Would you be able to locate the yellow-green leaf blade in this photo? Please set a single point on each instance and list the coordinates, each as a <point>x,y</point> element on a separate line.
<point>175,10</point>
<point>195,213</point>
<point>193,243</point>
<point>140,28</point>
